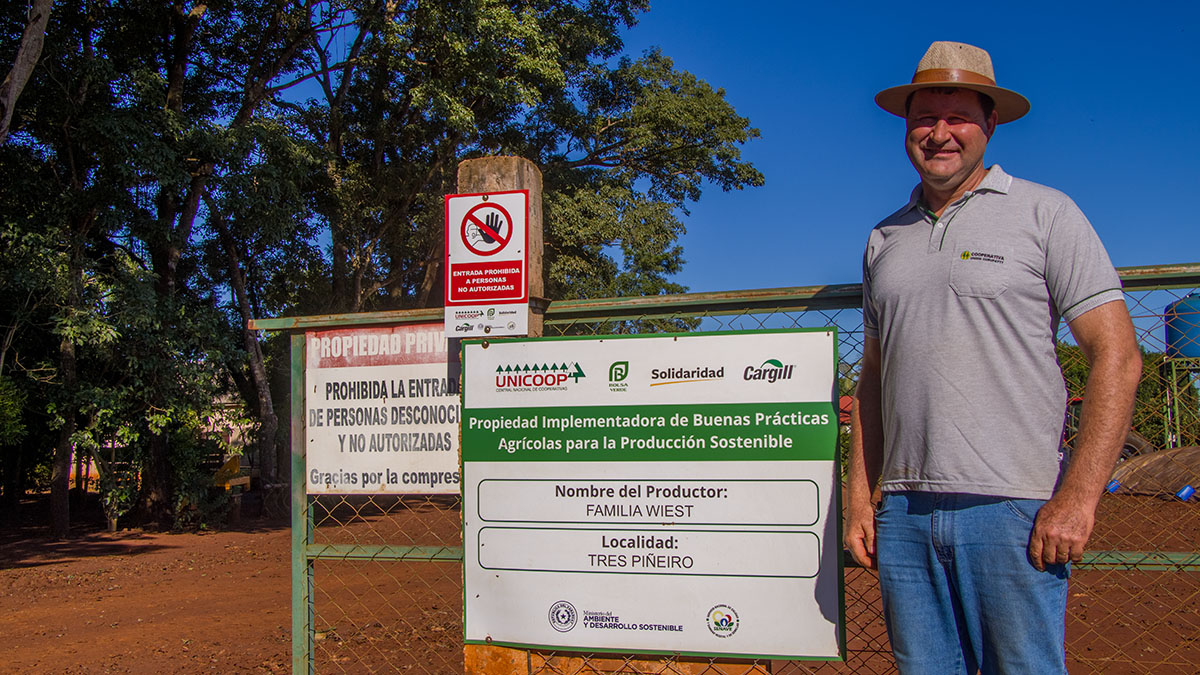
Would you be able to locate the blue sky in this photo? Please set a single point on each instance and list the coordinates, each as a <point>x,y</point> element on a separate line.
<point>1114,122</point>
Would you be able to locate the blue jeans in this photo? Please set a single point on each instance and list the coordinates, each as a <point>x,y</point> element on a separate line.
<point>959,591</point>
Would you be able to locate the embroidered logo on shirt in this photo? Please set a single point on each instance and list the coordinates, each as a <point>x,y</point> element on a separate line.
<point>982,257</point>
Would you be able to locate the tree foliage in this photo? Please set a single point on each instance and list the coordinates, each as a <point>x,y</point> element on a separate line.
<point>1149,415</point>
<point>175,169</point>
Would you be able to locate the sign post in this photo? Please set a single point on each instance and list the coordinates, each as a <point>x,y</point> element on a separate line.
<point>662,494</point>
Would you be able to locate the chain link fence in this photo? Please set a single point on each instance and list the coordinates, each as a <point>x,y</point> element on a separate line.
<point>380,577</point>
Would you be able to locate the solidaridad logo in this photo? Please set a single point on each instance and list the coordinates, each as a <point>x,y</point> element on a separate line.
<point>722,621</point>
<point>563,616</point>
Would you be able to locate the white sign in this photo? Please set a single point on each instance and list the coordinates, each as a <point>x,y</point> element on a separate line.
<point>381,416</point>
<point>654,494</point>
<point>487,264</point>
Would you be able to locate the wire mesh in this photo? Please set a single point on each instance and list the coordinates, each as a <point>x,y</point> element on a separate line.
<point>387,584</point>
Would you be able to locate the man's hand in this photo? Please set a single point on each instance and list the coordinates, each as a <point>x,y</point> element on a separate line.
<point>1063,525</point>
<point>1060,531</point>
<point>865,458</point>
<point>859,534</point>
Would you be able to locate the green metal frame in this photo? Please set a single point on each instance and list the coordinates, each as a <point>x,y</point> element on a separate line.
<point>1179,372</point>
<point>796,299</point>
<point>792,299</point>
<point>302,524</point>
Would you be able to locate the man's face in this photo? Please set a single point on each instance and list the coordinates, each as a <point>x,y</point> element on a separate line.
<point>947,134</point>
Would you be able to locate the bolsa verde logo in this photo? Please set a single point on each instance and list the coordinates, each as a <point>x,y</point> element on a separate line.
<point>966,255</point>
<point>771,370</point>
<point>537,377</point>
<point>618,371</point>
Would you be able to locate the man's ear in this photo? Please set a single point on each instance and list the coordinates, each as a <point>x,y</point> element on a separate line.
<point>992,121</point>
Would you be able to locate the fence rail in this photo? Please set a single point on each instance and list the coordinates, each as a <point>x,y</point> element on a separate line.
<point>377,580</point>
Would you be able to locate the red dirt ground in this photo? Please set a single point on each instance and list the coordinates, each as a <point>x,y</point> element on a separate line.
<point>148,602</point>
<point>141,602</point>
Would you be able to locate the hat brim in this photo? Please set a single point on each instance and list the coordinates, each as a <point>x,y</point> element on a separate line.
<point>1010,105</point>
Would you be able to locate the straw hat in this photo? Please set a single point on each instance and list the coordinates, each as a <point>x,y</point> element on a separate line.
<point>954,64</point>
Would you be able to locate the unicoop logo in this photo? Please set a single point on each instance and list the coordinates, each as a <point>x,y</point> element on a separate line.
<point>537,376</point>
<point>771,370</point>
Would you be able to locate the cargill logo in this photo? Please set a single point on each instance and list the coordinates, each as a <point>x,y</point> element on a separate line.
<point>537,377</point>
<point>771,370</point>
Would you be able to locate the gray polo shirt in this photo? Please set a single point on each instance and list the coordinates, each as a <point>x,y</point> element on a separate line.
<point>966,310</point>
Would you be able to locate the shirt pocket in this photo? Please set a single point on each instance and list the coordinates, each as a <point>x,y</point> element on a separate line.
<point>981,271</point>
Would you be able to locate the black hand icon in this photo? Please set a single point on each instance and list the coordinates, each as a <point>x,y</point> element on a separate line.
<point>493,224</point>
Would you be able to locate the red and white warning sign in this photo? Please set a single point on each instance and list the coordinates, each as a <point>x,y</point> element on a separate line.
<point>486,264</point>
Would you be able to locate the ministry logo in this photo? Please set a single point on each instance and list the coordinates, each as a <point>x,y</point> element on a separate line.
<point>563,616</point>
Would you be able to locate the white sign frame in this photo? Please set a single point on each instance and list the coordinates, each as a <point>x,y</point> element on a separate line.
<point>541,568</point>
<point>487,264</point>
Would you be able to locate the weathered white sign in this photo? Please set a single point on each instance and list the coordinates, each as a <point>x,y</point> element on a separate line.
<point>381,415</point>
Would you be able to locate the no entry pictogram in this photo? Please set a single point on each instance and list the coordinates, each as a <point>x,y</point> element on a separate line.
<point>486,229</point>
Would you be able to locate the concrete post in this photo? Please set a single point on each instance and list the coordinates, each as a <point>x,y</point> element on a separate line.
<point>500,174</point>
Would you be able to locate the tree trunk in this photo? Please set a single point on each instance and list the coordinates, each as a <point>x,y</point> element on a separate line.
<point>156,483</point>
<point>60,473</point>
<point>340,302</point>
<point>60,485</point>
<point>27,57</point>
<point>269,423</point>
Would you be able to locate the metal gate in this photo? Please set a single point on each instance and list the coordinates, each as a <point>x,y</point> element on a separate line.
<point>377,584</point>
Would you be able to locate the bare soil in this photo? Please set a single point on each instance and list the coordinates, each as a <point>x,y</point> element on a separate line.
<point>143,602</point>
<point>157,602</point>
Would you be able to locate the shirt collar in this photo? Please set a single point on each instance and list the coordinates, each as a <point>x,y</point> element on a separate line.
<point>995,181</point>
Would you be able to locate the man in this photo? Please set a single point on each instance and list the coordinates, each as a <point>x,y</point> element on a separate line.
<point>959,409</point>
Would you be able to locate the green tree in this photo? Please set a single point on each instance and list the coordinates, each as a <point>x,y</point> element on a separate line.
<point>1149,409</point>
<point>623,148</point>
<point>174,170</point>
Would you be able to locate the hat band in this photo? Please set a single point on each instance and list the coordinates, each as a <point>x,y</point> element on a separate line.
<point>951,75</point>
